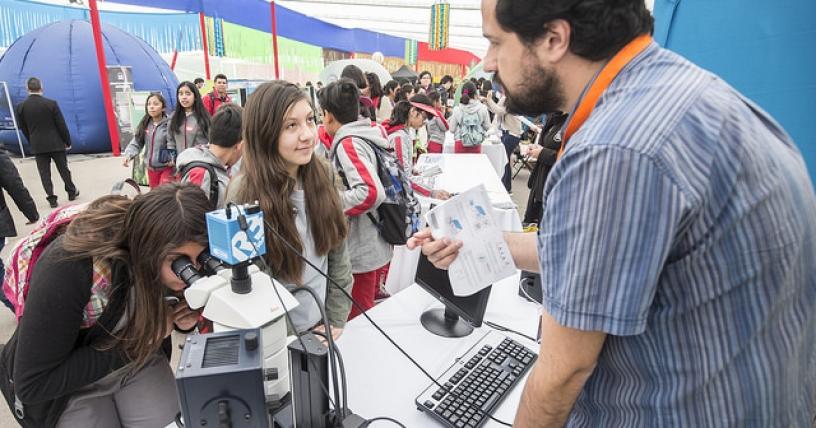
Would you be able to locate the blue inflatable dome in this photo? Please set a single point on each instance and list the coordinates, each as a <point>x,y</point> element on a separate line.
<point>62,55</point>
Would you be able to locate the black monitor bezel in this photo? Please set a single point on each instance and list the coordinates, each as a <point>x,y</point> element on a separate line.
<point>481,297</point>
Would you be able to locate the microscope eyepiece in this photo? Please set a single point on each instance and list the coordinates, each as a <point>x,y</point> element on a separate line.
<point>184,269</point>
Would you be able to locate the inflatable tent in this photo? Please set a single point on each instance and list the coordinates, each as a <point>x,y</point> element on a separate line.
<point>62,55</point>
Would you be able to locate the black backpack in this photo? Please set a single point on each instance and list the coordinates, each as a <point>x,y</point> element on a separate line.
<point>399,212</point>
<point>213,196</point>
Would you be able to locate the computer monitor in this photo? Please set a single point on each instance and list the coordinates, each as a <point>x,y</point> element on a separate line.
<point>460,315</point>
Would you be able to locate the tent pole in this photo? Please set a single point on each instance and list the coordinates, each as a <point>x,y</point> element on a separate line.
<point>14,119</point>
<point>113,130</point>
<point>204,45</point>
<point>274,38</point>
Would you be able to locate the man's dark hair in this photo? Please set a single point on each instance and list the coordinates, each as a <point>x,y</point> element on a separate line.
<point>341,99</point>
<point>354,73</point>
<point>220,76</point>
<point>198,80</point>
<point>433,96</point>
<point>225,130</point>
<point>600,28</point>
<point>445,79</point>
<point>34,84</point>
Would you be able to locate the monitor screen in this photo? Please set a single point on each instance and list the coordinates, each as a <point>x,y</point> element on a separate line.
<point>435,281</point>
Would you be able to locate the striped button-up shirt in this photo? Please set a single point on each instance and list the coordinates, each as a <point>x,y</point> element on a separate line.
<point>681,221</point>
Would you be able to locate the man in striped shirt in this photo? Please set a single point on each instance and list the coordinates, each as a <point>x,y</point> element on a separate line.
<point>677,248</point>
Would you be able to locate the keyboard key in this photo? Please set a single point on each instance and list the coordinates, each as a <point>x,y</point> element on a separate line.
<point>429,404</point>
<point>489,403</point>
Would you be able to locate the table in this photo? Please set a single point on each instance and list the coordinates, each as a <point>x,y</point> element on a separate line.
<point>382,382</point>
<point>459,173</point>
<point>495,152</point>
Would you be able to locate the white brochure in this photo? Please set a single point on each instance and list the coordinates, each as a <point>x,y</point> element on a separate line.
<point>484,257</point>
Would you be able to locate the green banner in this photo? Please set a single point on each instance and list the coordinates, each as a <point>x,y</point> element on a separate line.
<point>411,51</point>
<point>298,61</point>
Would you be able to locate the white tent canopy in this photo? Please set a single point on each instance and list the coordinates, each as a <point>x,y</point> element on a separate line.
<point>403,18</point>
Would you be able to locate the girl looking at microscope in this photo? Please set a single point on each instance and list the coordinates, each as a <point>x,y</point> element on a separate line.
<point>88,349</point>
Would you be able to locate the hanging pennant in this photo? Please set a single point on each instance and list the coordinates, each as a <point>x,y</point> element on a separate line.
<point>440,26</point>
<point>411,51</point>
<point>215,36</point>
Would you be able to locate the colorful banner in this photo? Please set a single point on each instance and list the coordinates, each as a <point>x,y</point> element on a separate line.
<point>215,36</point>
<point>411,51</point>
<point>163,31</point>
<point>440,26</point>
<point>298,61</point>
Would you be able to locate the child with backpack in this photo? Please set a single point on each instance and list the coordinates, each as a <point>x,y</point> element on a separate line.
<point>190,123</point>
<point>152,131</point>
<point>407,116</point>
<point>93,342</point>
<point>470,121</point>
<point>297,192</point>
<point>209,166</point>
<point>357,152</point>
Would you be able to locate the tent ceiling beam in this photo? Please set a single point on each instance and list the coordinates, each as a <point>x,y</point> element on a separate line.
<point>424,35</point>
<point>394,20</point>
<point>390,4</point>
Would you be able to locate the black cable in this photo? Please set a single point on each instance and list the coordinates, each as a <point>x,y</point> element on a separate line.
<point>178,420</point>
<point>500,327</point>
<point>330,340</point>
<point>268,271</point>
<point>289,320</point>
<point>382,418</point>
<point>345,393</point>
<point>378,328</point>
<point>342,366</point>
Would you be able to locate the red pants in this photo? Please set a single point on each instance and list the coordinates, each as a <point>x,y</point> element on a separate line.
<point>155,178</point>
<point>434,147</point>
<point>460,148</point>
<point>365,289</point>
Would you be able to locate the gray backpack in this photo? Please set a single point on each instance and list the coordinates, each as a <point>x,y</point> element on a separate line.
<point>471,131</point>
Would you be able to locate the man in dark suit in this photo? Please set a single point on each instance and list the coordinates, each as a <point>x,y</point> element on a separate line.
<point>42,123</point>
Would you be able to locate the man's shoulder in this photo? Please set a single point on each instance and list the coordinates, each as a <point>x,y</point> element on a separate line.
<point>648,102</point>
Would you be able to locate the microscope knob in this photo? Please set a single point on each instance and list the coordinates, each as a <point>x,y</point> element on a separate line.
<point>251,341</point>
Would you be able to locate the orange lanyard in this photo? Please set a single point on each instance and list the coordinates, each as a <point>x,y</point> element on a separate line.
<point>600,84</point>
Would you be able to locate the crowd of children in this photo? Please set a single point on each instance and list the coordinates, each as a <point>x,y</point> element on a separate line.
<point>320,188</point>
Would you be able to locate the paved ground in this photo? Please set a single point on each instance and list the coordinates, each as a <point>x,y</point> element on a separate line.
<point>94,176</point>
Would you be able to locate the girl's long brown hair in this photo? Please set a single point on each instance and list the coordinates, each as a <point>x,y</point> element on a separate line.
<point>140,234</point>
<point>265,179</point>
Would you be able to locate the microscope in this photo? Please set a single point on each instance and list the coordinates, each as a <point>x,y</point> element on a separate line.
<point>237,297</point>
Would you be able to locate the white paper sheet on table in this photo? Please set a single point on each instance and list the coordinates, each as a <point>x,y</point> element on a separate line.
<point>484,257</point>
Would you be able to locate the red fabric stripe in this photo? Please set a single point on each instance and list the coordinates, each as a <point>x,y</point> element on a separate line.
<point>368,202</point>
<point>324,137</point>
<point>398,148</point>
<point>421,190</point>
<point>442,117</point>
<point>195,176</point>
<point>392,129</point>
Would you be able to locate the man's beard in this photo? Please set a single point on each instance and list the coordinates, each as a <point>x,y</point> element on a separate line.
<point>542,93</point>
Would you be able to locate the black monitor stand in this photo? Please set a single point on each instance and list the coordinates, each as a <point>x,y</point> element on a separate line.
<point>444,322</point>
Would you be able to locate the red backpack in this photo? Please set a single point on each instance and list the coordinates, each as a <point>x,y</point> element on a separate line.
<point>25,253</point>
